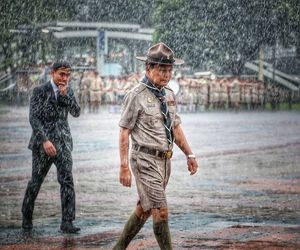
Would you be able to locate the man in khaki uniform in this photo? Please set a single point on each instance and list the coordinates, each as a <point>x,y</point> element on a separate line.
<point>149,118</point>
<point>84,91</point>
<point>95,92</point>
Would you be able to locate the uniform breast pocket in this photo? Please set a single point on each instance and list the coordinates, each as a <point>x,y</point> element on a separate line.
<point>153,118</point>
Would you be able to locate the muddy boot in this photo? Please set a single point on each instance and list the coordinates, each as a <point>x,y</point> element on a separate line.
<point>132,227</point>
<point>162,234</point>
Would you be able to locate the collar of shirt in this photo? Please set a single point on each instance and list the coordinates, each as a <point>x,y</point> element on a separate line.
<point>54,87</point>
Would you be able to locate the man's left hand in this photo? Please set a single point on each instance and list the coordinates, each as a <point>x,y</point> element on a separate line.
<point>192,165</point>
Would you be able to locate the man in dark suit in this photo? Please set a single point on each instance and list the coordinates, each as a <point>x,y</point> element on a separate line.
<point>51,142</point>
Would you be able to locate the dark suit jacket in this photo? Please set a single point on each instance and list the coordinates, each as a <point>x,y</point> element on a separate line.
<point>49,117</point>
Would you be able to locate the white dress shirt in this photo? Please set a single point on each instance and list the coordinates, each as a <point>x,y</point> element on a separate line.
<point>55,88</point>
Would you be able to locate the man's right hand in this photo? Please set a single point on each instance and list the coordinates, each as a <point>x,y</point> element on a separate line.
<point>125,176</point>
<point>49,148</point>
<point>63,89</point>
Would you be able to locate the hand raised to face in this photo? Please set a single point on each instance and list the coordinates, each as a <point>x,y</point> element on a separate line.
<point>61,78</point>
<point>63,88</point>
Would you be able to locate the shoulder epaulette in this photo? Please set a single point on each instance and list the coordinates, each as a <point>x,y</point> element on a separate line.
<point>139,88</point>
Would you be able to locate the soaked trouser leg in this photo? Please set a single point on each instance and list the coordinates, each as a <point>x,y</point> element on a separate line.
<point>64,163</point>
<point>41,164</point>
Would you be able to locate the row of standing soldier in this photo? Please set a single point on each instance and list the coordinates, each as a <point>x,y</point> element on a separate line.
<point>194,95</point>
<point>93,91</point>
<point>220,94</point>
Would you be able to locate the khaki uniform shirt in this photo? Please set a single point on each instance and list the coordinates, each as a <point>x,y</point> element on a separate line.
<point>142,115</point>
<point>96,84</point>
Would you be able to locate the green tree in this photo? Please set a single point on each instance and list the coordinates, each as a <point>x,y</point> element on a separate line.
<point>31,16</point>
<point>225,33</point>
<point>21,27</point>
<point>120,11</point>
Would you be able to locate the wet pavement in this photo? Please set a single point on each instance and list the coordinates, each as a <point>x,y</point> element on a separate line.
<point>246,194</point>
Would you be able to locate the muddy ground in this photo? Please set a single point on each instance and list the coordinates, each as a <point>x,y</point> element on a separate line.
<point>246,194</point>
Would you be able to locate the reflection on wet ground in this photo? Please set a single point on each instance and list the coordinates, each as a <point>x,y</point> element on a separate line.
<point>245,196</point>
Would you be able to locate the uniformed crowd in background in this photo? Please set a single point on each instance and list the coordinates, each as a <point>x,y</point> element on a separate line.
<point>193,94</point>
<point>230,93</point>
<point>94,91</point>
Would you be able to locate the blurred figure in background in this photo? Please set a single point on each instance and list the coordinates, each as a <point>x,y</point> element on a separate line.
<point>84,99</point>
<point>95,89</point>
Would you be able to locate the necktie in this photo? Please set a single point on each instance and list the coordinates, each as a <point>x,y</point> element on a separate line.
<point>56,93</point>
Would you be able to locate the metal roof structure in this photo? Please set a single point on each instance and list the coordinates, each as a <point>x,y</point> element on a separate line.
<point>279,77</point>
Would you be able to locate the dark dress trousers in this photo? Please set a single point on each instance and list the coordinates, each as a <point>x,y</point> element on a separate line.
<point>49,121</point>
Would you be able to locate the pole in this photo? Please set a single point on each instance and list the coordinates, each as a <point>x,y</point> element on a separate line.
<point>101,49</point>
<point>261,65</point>
<point>134,60</point>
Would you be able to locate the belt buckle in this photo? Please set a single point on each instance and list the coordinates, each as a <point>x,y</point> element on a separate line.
<point>168,154</point>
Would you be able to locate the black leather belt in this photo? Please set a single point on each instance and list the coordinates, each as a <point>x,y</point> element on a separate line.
<point>151,151</point>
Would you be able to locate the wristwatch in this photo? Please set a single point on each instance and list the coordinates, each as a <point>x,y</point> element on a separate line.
<point>191,156</point>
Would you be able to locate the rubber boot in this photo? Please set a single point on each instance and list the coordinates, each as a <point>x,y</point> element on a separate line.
<point>132,227</point>
<point>162,234</point>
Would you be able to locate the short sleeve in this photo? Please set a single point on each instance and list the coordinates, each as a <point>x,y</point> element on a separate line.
<point>130,111</point>
<point>177,120</point>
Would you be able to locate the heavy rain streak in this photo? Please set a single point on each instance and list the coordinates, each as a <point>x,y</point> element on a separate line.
<point>67,69</point>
